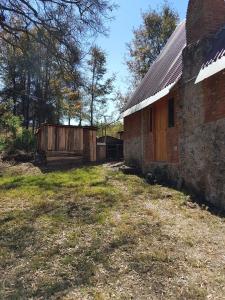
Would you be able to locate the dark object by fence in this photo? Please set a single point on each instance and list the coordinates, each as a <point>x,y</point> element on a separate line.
<point>109,148</point>
<point>121,135</point>
<point>18,156</point>
<point>67,142</point>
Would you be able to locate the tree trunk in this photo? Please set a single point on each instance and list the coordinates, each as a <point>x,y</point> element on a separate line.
<point>92,96</point>
<point>28,100</point>
<point>33,123</point>
<point>14,95</point>
<point>92,110</point>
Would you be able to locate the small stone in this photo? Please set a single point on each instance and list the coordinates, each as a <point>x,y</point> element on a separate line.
<point>191,205</point>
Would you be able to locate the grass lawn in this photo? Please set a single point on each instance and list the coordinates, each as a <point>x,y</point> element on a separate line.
<point>94,233</point>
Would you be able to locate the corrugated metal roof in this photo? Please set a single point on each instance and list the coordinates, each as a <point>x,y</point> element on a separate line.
<point>215,59</point>
<point>217,49</point>
<point>165,71</point>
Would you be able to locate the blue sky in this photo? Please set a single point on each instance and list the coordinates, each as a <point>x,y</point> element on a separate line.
<point>127,17</point>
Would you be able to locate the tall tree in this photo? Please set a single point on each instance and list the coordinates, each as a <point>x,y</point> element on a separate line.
<point>41,43</point>
<point>98,87</point>
<point>35,79</point>
<point>149,39</point>
<point>64,20</point>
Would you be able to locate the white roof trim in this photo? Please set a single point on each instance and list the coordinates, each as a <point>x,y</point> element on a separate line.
<point>148,101</point>
<point>211,69</point>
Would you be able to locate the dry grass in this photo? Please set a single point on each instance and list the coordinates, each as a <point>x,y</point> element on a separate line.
<point>13,169</point>
<point>94,233</point>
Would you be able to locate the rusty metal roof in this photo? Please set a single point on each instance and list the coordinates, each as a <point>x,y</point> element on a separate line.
<point>215,59</point>
<point>217,48</point>
<point>165,71</point>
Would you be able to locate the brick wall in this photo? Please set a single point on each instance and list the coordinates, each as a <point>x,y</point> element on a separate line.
<point>132,125</point>
<point>204,17</point>
<point>214,97</point>
<point>133,139</point>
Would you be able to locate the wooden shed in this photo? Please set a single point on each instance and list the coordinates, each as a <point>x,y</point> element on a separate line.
<point>109,148</point>
<point>67,141</point>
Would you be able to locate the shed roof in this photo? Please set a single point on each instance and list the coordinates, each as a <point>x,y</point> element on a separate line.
<point>109,140</point>
<point>67,126</point>
<point>162,75</point>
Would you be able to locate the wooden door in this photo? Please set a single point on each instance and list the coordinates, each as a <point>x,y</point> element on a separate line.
<point>161,120</point>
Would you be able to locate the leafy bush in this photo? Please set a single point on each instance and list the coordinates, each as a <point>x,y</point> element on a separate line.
<point>14,136</point>
<point>9,123</point>
<point>24,140</point>
<point>2,144</point>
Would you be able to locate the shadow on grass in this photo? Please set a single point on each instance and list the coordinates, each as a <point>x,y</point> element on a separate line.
<point>63,166</point>
<point>191,193</point>
<point>31,255</point>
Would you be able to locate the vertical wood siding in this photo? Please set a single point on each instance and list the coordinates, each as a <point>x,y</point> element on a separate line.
<point>74,140</point>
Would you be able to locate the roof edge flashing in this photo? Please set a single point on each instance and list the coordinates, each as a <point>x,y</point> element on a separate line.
<point>211,70</point>
<point>149,101</point>
<point>166,69</point>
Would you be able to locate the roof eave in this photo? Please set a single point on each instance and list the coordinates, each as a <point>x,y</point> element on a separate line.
<point>211,70</point>
<point>164,92</point>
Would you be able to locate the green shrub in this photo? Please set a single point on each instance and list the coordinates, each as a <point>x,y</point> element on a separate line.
<point>24,140</point>
<point>10,123</point>
<point>15,136</point>
<point>3,144</point>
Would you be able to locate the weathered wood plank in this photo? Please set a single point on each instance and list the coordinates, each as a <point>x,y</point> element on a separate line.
<point>67,139</point>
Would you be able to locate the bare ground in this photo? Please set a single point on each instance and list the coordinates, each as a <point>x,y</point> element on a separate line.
<point>95,233</point>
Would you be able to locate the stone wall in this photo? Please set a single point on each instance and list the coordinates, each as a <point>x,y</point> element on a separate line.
<point>202,138</point>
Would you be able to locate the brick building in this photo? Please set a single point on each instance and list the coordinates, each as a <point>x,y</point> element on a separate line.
<point>175,121</point>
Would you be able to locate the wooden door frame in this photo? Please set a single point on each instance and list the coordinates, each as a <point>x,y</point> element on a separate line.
<point>155,131</point>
